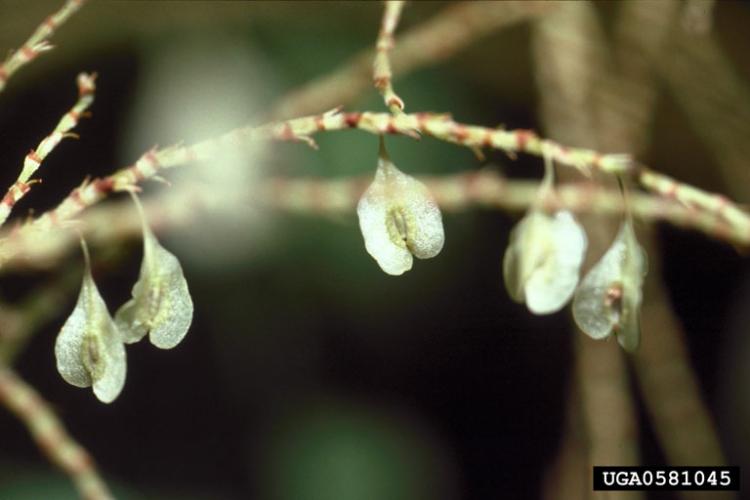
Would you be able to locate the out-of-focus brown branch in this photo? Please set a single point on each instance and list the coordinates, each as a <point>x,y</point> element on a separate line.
<point>669,386</point>
<point>608,409</point>
<point>569,61</point>
<point>437,39</point>
<point>626,94</point>
<point>716,101</point>
<point>682,423</point>
<point>624,101</point>
<point>50,435</point>
<point>698,16</point>
<point>670,390</point>
<point>569,476</point>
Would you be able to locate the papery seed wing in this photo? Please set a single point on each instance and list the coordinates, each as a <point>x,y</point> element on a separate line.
<point>372,211</point>
<point>399,218</point>
<point>635,269</point>
<point>70,340</point>
<point>88,350</point>
<point>512,269</point>
<point>524,253</point>
<point>551,285</point>
<point>595,309</point>
<point>161,305</point>
<point>168,298</point>
<point>427,237</point>
<point>113,361</point>
<point>132,317</point>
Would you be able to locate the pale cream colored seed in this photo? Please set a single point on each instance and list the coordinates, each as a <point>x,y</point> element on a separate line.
<point>91,356</point>
<point>399,223</point>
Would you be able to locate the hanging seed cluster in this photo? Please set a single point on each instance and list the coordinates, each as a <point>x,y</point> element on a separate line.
<point>400,219</point>
<point>90,348</point>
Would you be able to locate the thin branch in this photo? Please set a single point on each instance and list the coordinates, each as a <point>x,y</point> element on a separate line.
<point>114,222</point>
<point>34,159</point>
<point>381,67</point>
<point>570,60</point>
<point>38,42</point>
<point>50,435</point>
<point>668,383</point>
<point>709,208</point>
<point>487,189</point>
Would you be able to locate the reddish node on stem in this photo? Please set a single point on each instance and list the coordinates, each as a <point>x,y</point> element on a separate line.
<point>287,133</point>
<point>459,133</point>
<point>671,190</point>
<point>33,156</point>
<point>380,82</point>
<point>522,138</point>
<point>75,196</point>
<point>104,185</point>
<point>721,202</point>
<point>596,160</point>
<point>352,119</point>
<point>28,53</point>
<point>487,139</point>
<point>49,23</point>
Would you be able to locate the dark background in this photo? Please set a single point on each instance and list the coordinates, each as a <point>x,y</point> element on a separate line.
<point>308,373</point>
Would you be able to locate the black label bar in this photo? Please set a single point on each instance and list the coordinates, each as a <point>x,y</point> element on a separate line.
<point>666,478</point>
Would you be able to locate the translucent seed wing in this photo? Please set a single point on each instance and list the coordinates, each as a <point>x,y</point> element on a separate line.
<point>171,318</point>
<point>372,211</point>
<point>524,253</point>
<point>428,236</point>
<point>512,269</point>
<point>635,269</point>
<point>551,285</point>
<point>109,385</point>
<point>130,318</point>
<point>595,313</point>
<point>399,218</point>
<point>68,344</point>
<point>161,305</point>
<point>89,350</point>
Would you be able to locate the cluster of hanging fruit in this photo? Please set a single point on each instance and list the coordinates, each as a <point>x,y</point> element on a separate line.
<point>400,219</point>
<point>90,348</point>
